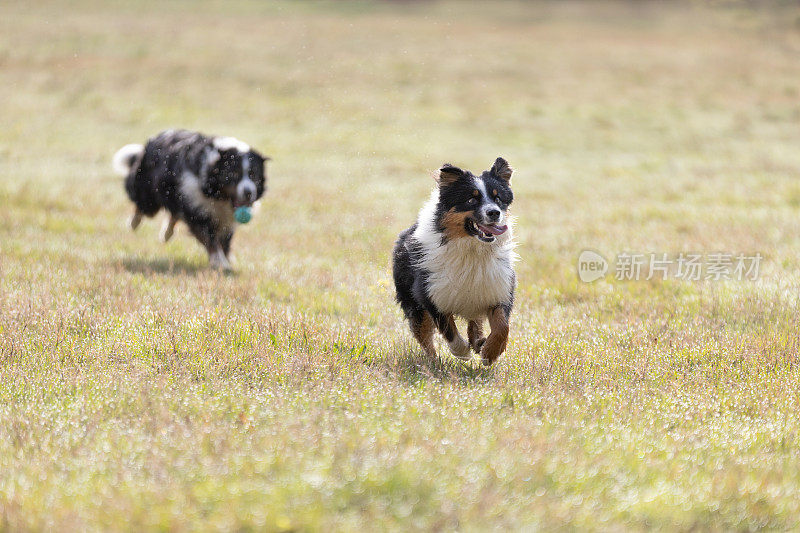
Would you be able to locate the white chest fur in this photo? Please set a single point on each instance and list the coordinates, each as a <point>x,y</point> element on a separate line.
<point>466,276</point>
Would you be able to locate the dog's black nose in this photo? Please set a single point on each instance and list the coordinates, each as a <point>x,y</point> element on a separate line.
<point>493,214</point>
<point>248,195</point>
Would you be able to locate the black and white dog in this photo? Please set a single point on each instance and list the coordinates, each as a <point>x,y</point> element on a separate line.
<point>457,260</point>
<point>198,179</point>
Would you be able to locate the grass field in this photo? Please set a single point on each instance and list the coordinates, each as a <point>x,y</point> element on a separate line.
<point>140,390</point>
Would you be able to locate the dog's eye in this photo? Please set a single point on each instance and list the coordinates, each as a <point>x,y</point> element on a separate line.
<point>472,201</point>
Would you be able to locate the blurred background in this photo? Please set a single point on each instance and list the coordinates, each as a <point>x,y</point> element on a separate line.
<point>633,127</point>
<point>643,125</point>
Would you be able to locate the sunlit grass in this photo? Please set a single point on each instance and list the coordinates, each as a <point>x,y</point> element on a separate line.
<point>138,389</point>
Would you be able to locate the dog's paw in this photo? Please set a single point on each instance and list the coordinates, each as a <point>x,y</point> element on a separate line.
<point>478,344</point>
<point>459,348</point>
<point>219,261</point>
<point>222,267</point>
<point>489,356</point>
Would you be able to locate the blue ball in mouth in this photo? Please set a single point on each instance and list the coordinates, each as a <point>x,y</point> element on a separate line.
<point>243,214</point>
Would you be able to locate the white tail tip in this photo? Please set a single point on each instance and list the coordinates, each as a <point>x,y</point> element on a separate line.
<point>125,157</point>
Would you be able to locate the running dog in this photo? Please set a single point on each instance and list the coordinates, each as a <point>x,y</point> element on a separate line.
<point>198,179</point>
<point>457,260</point>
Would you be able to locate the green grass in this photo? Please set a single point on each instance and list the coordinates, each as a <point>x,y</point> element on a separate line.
<point>140,390</point>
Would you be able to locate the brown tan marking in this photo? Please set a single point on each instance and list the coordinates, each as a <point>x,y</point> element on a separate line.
<point>496,341</point>
<point>453,224</point>
<point>475,335</point>
<point>423,332</point>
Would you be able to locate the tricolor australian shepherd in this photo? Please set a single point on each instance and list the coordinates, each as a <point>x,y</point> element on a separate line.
<point>197,179</point>
<point>457,260</point>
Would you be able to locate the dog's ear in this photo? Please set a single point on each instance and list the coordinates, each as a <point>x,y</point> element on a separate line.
<point>502,169</point>
<point>449,174</point>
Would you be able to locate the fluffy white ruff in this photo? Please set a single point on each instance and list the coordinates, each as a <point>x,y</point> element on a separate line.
<point>467,276</point>
<point>123,159</point>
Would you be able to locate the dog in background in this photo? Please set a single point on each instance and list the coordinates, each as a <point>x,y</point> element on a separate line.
<point>457,260</point>
<point>198,179</point>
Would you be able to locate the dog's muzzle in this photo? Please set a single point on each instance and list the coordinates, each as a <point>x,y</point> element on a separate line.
<point>491,224</point>
<point>245,193</point>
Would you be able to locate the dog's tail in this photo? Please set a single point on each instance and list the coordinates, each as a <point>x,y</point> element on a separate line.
<point>126,157</point>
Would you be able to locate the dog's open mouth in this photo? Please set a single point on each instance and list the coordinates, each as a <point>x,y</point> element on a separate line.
<point>486,232</point>
<point>240,203</point>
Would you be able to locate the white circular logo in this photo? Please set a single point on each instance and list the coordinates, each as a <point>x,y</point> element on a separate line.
<point>591,266</point>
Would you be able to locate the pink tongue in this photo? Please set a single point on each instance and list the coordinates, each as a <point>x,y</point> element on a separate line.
<point>494,230</point>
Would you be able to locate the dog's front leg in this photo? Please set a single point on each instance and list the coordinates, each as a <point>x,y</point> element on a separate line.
<point>475,335</point>
<point>447,327</point>
<point>225,242</point>
<point>217,259</point>
<point>496,341</point>
<point>216,255</point>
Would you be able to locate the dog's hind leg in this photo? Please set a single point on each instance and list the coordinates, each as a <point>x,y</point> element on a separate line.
<point>168,228</point>
<point>475,335</point>
<point>496,341</point>
<point>422,327</point>
<point>135,219</point>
